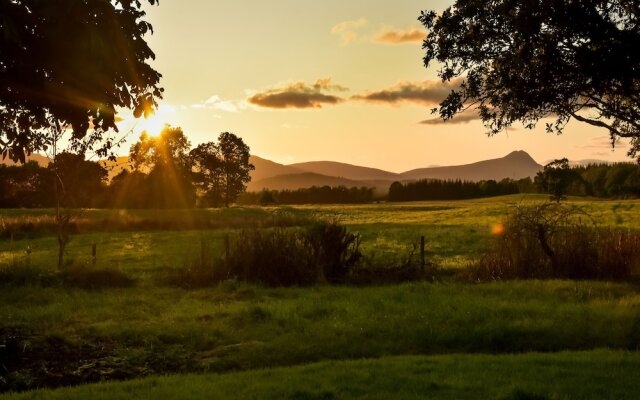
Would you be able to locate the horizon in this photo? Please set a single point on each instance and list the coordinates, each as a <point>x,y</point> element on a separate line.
<point>335,91</point>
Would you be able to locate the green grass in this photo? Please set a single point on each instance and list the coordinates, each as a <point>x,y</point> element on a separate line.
<point>69,336</point>
<point>239,327</point>
<point>587,375</point>
<point>455,232</point>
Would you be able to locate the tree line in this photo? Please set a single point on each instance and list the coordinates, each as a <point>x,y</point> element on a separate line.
<point>558,178</point>
<point>438,189</point>
<point>162,172</point>
<point>312,195</point>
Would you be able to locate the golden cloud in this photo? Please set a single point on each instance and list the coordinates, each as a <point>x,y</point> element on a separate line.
<point>299,95</point>
<point>392,36</point>
<point>428,93</point>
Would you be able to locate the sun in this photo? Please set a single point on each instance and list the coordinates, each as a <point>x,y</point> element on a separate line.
<point>153,124</point>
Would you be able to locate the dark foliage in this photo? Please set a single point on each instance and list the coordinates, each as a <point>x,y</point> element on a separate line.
<point>434,189</point>
<point>555,179</point>
<point>553,241</point>
<point>221,170</point>
<point>312,195</point>
<point>71,64</point>
<point>524,61</point>
<point>320,253</point>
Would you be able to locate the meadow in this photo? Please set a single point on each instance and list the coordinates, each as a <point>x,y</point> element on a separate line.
<point>447,339</point>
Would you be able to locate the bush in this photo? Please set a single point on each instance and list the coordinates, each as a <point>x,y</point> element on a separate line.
<point>555,241</point>
<point>279,256</point>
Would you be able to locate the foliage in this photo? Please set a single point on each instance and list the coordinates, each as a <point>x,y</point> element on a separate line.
<point>524,61</point>
<point>221,170</point>
<point>436,189</point>
<point>312,195</point>
<point>71,64</point>
<point>323,252</point>
<point>166,158</point>
<point>555,179</point>
<point>208,173</point>
<point>82,182</point>
<point>235,165</point>
<point>553,241</point>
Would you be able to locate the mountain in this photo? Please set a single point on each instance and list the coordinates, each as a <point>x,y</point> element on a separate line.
<point>300,180</point>
<point>348,171</point>
<point>515,165</point>
<point>275,176</point>
<point>268,169</point>
<point>40,159</point>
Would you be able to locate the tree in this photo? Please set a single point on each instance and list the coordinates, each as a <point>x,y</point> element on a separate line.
<point>166,158</point>
<point>68,65</point>
<point>555,179</point>
<point>65,68</point>
<point>82,181</point>
<point>208,173</point>
<point>235,165</point>
<point>527,60</point>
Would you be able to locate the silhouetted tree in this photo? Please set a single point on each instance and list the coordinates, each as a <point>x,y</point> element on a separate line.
<point>527,60</point>
<point>26,185</point>
<point>82,181</point>
<point>66,67</point>
<point>235,165</point>
<point>208,172</point>
<point>555,179</point>
<point>166,158</point>
<point>69,65</point>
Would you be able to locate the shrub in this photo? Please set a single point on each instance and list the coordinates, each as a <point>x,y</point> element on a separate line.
<point>557,241</point>
<point>275,257</point>
<point>335,249</point>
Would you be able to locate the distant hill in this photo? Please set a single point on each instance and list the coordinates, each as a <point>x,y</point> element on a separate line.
<point>515,165</point>
<point>115,167</point>
<point>347,171</point>
<point>269,169</point>
<point>275,176</point>
<point>301,180</point>
<point>43,161</point>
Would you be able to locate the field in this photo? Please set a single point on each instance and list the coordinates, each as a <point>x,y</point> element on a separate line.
<point>449,339</point>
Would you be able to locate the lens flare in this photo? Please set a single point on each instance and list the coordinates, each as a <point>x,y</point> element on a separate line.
<point>497,230</point>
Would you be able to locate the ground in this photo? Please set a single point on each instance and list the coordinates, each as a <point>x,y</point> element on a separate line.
<point>448,339</point>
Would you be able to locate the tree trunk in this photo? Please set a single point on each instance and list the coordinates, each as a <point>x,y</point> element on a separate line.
<point>542,238</point>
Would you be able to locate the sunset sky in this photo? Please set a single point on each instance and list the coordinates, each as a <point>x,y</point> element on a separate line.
<point>336,80</point>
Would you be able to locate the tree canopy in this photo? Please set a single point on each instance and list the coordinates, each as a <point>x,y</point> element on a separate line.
<point>527,60</point>
<point>70,64</point>
<point>221,170</point>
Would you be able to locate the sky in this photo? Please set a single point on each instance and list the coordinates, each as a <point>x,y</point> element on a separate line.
<point>303,80</point>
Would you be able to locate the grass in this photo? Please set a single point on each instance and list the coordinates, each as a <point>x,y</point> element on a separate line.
<point>585,375</point>
<point>240,327</point>
<point>64,335</point>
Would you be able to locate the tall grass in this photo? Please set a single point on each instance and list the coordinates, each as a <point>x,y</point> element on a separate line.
<point>550,240</point>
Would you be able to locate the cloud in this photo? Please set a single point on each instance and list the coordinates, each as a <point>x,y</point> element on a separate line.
<point>604,142</point>
<point>399,36</point>
<point>461,118</point>
<point>216,103</point>
<point>348,30</point>
<point>299,95</point>
<point>429,93</point>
